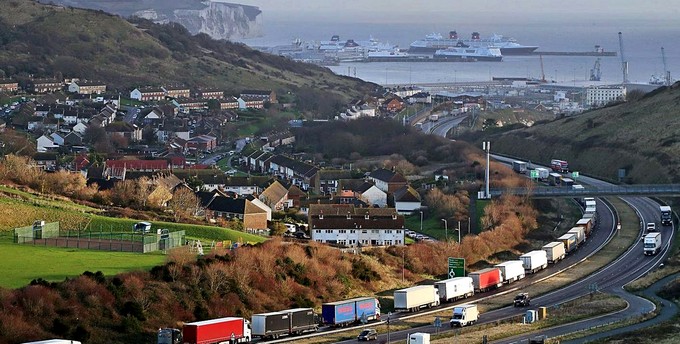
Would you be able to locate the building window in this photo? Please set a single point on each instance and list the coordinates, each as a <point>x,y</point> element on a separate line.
<point>343,231</point>
<point>352,231</point>
<point>329,231</point>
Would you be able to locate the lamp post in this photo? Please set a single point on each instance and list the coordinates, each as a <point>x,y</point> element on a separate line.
<point>458,232</point>
<point>421,221</point>
<point>446,228</point>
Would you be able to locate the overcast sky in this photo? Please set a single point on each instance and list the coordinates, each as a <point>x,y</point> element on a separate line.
<point>453,10</point>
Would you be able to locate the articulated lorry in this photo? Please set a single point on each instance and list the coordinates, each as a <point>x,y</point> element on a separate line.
<point>486,279</point>
<point>342,313</point>
<point>455,288</point>
<point>534,261</point>
<point>554,251</point>
<point>569,241</point>
<point>287,322</point>
<point>512,270</point>
<point>414,298</point>
<point>519,166</point>
<point>232,330</point>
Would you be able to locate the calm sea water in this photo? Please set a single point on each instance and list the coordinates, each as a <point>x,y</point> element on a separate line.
<point>642,48</point>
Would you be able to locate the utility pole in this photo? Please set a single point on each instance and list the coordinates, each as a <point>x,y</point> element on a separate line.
<point>486,145</point>
<point>446,229</point>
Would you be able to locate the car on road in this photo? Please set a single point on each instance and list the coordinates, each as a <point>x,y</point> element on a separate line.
<point>651,227</point>
<point>368,334</point>
<point>522,300</point>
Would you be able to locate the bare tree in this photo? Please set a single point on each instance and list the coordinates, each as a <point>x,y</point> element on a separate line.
<point>184,203</point>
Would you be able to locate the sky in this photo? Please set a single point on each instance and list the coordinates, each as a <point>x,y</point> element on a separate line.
<point>390,11</point>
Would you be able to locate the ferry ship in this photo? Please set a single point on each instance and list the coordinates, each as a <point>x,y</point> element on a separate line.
<point>436,41</point>
<point>463,52</point>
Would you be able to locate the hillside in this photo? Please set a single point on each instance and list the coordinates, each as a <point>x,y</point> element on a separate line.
<point>640,136</point>
<point>48,41</point>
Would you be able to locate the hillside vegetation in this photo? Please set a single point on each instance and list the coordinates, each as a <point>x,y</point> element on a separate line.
<point>48,41</point>
<point>641,136</point>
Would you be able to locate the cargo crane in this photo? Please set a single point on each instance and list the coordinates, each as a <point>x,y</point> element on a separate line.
<point>624,63</point>
<point>595,72</point>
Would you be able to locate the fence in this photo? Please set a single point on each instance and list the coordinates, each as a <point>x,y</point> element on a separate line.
<point>105,241</point>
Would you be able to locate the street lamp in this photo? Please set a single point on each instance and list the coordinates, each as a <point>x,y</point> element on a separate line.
<point>446,228</point>
<point>421,221</point>
<point>459,232</point>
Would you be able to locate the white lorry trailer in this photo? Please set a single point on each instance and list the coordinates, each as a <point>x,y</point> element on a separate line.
<point>652,243</point>
<point>554,251</point>
<point>519,166</point>
<point>464,315</point>
<point>455,288</point>
<point>414,298</point>
<point>543,173</point>
<point>534,261</point>
<point>511,271</point>
<point>580,234</point>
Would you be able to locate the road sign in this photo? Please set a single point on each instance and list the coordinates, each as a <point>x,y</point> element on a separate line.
<point>437,322</point>
<point>574,174</point>
<point>456,267</point>
<point>364,318</point>
<point>533,174</point>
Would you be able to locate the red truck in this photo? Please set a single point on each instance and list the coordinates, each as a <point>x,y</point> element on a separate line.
<point>486,279</point>
<point>223,330</point>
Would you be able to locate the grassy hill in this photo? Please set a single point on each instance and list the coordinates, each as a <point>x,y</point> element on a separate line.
<point>641,136</point>
<point>47,40</point>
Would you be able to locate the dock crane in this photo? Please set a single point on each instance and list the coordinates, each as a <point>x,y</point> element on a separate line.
<point>666,72</point>
<point>624,63</point>
<point>595,72</point>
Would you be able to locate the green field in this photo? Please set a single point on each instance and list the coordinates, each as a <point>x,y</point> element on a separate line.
<point>23,263</point>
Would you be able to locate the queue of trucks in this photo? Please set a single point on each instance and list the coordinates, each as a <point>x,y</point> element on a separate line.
<point>414,298</point>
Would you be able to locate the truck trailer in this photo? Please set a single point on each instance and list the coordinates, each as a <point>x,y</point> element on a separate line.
<point>342,313</point>
<point>464,315</point>
<point>652,243</point>
<point>586,223</point>
<point>519,166</point>
<point>569,241</point>
<point>543,173</point>
<point>666,215</point>
<point>580,234</point>
<point>534,261</point>
<point>486,279</point>
<point>287,322</point>
<point>554,251</point>
<point>230,329</point>
<point>414,298</point>
<point>511,271</point>
<point>455,288</point>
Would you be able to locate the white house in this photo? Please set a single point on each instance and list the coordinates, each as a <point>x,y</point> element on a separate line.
<point>80,127</point>
<point>45,143</point>
<point>407,200</point>
<point>599,96</point>
<point>371,194</point>
<point>345,225</point>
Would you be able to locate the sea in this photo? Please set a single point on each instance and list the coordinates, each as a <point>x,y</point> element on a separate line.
<point>642,43</point>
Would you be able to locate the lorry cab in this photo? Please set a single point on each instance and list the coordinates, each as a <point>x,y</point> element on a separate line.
<point>464,315</point>
<point>169,336</point>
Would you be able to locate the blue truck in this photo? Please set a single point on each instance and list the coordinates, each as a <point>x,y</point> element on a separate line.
<point>341,313</point>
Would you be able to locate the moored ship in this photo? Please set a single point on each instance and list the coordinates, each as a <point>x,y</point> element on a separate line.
<point>463,52</point>
<point>435,41</point>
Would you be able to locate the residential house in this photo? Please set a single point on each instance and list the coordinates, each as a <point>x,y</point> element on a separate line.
<point>347,225</point>
<point>129,131</point>
<point>275,196</point>
<point>295,196</point>
<point>299,173</point>
<point>202,143</point>
<point>246,185</point>
<point>87,87</point>
<point>328,180</point>
<point>394,105</point>
<point>208,93</point>
<point>187,104</point>
<point>80,162</point>
<point>8,85</point>
<point>420,98</point>
<point>229,104</point>
<point>258,161</point>
<point>44,143</point>
<point>163,185</point>
<point>45,85</point>
<point>365,191</point>
<point>118,168</point>
<point>80,128</point>
<point>177,91</point>
<point>57,138</point>
<point>387,181</point>
<point>46,161</point>
<point>407,200</point>
<point>264,95</point>
<point>146,94</point>
<point>250,103</point>
<point>224,207</point>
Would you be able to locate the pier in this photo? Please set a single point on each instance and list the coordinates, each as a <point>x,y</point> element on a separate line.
<point>575,53</point>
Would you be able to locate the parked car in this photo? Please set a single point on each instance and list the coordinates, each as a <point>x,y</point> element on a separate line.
<point>368,334</point>
<point>522,300</point>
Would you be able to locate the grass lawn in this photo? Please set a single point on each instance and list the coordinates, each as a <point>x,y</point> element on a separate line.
<point>23,263</point>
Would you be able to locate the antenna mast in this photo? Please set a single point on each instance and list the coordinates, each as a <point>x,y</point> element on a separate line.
<point>624,63</point>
